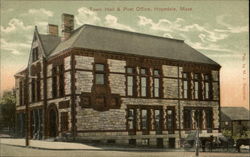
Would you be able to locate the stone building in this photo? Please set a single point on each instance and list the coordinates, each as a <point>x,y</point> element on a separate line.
<point>102,84</point>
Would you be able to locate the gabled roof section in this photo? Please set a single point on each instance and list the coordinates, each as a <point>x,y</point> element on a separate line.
<point>113,40</point>
<point>235,113</point>
<point>49,42</point>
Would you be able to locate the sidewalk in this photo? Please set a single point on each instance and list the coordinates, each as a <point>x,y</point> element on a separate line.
<point>52,145</point>
<point>47,144</point>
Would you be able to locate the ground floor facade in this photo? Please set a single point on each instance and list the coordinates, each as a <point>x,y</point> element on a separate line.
<point>140,122</point>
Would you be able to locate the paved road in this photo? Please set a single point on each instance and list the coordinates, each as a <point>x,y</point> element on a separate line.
<point>14,151</point>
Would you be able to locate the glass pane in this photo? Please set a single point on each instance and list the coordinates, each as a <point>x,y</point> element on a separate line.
<point>196,94</point>
<point>185,93</point>
<point>196,85</point>
<point>99,67</point>
<point>143,81</point>
<point>130,70</point>
<point>206,77</point>
<point>144,119</point>
<point>184,75</point>
<point>185,85</point>
<point>99,79</point>
<point>130,91</point>
<point>143,71</point>
<point>143,91</point>
<point>196,76</point>
<point>157,120</point>
<point>156,92</point>
<point>207,90</point>
<point>156,72</point>
<point>131,119</point>
<point>156,82</point>
<point>130,80</point>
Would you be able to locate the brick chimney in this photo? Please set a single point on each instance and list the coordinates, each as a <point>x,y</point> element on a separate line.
<point>67,25</point>
<point>53,29</point>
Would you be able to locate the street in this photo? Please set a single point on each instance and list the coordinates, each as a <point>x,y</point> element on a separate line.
<point>17,151</point>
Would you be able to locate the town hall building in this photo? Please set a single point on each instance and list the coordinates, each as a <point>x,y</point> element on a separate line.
<point>113,86</point>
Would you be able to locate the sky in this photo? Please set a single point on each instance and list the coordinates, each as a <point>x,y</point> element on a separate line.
<point>217,29</point>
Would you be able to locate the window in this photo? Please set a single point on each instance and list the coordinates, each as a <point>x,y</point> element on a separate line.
<point>61,80</point>
<point>130,82</point>
<point>38,87</point>
<point>196,86</point>
<point>33,90</point>
<point>209,119</point>
<point>131,119</point>
<point>21,93</point>
<point>143,82</point>
<point>144,119</point>
<point>58,81</point>
<point>207,86</point>
<point>99,74</point>
<point>143,86</point>
<point>170,120</point>
<point>64,121</point>
<point>156,83</point>
<point>54,81</point>
<point>198,118</point>
<point>35,54</point>
<point>186,90</point>
<point>158,121</point>
<point>187,119</point>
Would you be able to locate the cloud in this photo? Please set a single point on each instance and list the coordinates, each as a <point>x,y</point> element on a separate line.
<point>210,46</point>
<point>229,28</point>
<point>179,25</point>
<point>86,16</point>
<point>13,47</point>
<point>41,11</point>
<point>162,25</point>
<point>112,21</point>
<point>14,25</point>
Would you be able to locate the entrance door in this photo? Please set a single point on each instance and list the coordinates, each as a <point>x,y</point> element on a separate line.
<point>171,142</point>
<point>52,123</point>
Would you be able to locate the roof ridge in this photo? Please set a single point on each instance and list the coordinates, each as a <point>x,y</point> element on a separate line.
<point>130,32</point>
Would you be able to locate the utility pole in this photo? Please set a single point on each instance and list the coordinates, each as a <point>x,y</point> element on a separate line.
<point>26,87</point>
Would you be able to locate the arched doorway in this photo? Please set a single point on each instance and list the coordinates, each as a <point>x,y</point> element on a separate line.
<point>52,121</point>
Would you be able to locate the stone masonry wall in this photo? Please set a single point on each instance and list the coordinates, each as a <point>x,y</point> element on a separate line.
<point>83,62</point>
<point>215,90</point>
<point>170,88</point>
<point>170,71</point>
<point>117,81</point>
<point>84,81</point>
<point>89,119</point>
<point>117,84</point>
<point>170,85</point>
<point>116,65</point>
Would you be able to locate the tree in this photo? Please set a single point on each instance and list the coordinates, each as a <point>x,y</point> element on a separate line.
<point>7,108</point>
